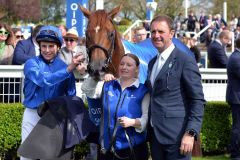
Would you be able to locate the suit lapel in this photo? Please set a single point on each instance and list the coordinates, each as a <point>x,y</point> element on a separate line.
<point>168,64</point>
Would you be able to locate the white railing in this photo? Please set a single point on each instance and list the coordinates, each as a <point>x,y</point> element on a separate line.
<point>214,83</point>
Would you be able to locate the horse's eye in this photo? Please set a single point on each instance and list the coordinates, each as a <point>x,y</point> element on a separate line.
<point>111,35</point>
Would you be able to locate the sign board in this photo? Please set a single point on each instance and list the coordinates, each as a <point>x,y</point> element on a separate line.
<point>75,18</point>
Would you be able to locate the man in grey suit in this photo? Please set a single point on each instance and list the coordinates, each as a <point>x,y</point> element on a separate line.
<point>177,100</point>
<point>233,99</point>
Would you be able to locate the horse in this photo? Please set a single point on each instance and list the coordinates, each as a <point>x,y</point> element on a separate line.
<point>105,46</point>
<point>103,42</point>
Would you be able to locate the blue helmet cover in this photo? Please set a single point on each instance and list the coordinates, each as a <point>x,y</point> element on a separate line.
<point>50,34</point>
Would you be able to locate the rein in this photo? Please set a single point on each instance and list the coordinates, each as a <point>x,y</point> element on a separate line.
<point>108,52</point>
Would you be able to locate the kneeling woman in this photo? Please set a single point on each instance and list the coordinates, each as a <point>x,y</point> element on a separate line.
<point>125,114</point>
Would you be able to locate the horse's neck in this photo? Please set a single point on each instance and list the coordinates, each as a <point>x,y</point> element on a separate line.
<point>117,55</point>
<point>118,45</point>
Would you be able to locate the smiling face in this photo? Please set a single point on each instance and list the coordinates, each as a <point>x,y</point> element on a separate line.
<point>161,35</point>
<point>48,50</point>
<point>128,68</point>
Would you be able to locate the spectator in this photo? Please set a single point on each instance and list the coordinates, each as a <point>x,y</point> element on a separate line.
<point>6,54</point>
<point>127,114</point>
<point>191,44</point>
<point>178,21</point>
<point>67,53</point>
<point>209,37</point>
<point>26,49</point>
<point>147,27</point>
<point>233,99</point>
<point>46,77</point>
<point>217,50</point>
<point>177,100</point>
<point>203,23</point>
<point>6,44</point>
<point>63,29</point>
<point>191,22</point>
<point>220,23</point>
<point>140,34</point>
<point>18,35</point>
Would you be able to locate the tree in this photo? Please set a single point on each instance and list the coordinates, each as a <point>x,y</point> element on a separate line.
<point>13,11</point>
<point>53,11</point>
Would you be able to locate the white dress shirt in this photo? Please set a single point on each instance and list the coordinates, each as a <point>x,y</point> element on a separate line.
<point>161,59</point>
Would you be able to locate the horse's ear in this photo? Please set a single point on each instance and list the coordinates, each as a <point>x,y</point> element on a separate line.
<point>85,11</point>
<point>115,11</point>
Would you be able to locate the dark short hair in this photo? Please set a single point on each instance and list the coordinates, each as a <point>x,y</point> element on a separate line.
<point>134,57</point>
<point>164,18</point>
<point>36,30</point>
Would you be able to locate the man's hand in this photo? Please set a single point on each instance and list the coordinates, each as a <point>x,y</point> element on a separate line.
<point>76,60</point>
<point>186,144</point>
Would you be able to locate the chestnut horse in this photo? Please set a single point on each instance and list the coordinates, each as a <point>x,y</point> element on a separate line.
<point>103,42</point>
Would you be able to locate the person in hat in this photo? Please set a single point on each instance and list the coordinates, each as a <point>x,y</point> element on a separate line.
<point>46,77</point>
<point>72,48</point>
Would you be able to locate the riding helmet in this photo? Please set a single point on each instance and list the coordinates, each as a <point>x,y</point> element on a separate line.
<point>50,34</point>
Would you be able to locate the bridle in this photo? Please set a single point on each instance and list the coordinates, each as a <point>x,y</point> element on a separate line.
<point>108,52</point>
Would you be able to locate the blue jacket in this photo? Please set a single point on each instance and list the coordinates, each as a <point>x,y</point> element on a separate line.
<point>128,103</point>
<point>24,50</point>
<point>44,81</point>
<point>217,56</point>
<point>233,72</point>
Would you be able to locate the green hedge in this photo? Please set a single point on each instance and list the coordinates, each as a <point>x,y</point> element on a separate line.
<point>10,126</point>
<point>216,127</point>
<point>215,131</point>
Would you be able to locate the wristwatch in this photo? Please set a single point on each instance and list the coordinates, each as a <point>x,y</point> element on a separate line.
<point>191,133</point>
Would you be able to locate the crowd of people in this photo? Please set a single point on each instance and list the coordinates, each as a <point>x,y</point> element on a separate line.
<point>166,110</point>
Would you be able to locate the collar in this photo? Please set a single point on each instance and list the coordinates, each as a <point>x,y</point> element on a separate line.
<point>136,83</point>
<point>166,53</point>
<point>218,41</point>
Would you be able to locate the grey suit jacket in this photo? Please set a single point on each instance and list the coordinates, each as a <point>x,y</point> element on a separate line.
<point>177,100</point>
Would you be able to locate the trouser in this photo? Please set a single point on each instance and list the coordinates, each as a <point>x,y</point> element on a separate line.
<point>30,119</point>
<point>165,151</point>
<point>235,134</point>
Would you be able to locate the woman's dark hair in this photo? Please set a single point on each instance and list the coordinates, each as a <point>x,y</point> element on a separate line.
<point>134,57</point>
<point>10,37</point>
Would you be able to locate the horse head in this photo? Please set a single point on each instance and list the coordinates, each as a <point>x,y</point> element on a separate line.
<point>103,42</point>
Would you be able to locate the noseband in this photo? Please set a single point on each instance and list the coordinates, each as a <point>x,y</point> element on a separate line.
<point>108,52</point>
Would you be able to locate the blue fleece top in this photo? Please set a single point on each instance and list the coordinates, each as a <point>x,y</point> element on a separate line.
<point>118,103</point>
